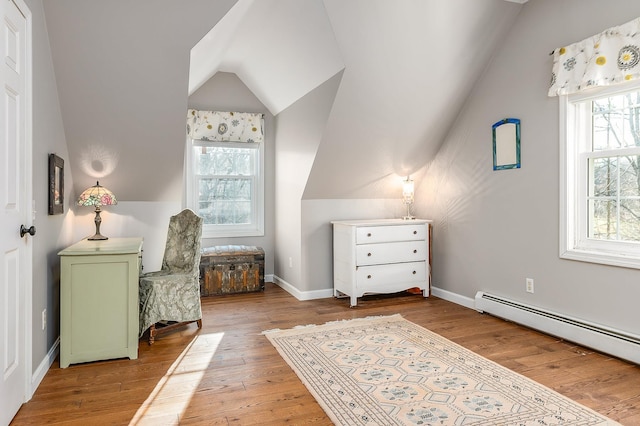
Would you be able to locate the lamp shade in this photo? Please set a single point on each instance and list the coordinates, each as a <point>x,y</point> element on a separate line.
<point>407,190</point>
<point>97,196</point>
<point>408,193</point>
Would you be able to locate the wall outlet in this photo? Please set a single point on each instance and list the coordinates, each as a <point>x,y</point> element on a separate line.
<point>290,262</point>
<point>529,285</point>
<point>44,319</point>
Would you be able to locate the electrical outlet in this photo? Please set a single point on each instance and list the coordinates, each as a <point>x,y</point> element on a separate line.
<point>44,319</point>
<point>529,285</point>
<point>290,262</point>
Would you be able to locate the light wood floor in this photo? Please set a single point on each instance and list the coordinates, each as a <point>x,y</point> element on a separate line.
<point>229,374</point>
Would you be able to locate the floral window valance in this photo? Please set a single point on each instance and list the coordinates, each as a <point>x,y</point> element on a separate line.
<point>607,58</point>
<point>225,126</point>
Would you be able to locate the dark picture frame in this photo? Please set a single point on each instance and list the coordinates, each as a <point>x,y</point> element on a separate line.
<point>56,184</point>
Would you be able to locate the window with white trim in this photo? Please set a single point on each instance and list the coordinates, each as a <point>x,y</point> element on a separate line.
<point>225,187</point>
<point>600,172</point>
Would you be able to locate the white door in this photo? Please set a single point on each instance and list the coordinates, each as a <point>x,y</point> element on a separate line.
<point>15,208</point>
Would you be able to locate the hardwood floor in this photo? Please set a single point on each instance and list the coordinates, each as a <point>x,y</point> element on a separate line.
<point>229,374</point>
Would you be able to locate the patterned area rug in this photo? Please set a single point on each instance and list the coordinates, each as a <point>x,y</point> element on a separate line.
<point>389,371</point>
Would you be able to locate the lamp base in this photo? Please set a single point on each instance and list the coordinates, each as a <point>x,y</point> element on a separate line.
<point>97,237</point>
<point>408,216</point>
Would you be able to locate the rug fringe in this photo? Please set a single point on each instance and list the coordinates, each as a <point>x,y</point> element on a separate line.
<point>298,327</point>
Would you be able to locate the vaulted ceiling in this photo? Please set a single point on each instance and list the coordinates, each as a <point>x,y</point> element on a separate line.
<point>280,49</point>
<point>125,69</point>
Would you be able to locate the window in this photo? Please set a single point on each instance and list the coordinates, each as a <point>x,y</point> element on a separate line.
<point>225,187</point>
<point>600,170</point>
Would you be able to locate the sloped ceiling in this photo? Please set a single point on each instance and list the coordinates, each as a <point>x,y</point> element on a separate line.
<point>280,49</point>
<point>122,71</point>
<point>123,78</point>
<point>409,67</point>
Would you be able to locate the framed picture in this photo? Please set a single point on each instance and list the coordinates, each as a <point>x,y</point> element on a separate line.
<point>506,144</point>
<point>56,184</point>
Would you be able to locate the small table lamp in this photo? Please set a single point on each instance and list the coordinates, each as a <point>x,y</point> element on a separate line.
<point>97,196</point>
<point>407,196</point>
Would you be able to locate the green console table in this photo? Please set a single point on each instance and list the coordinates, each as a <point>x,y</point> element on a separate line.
<point>99,300</point>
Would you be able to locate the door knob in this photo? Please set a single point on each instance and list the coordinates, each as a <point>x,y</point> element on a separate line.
<point>31,230</point>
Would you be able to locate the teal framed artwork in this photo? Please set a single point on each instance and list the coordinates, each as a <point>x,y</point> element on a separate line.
<point>506,144</point>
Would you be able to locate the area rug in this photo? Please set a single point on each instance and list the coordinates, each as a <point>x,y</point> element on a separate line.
<point>390,371</point>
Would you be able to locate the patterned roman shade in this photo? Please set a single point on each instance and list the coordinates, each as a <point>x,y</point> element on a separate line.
<point>604,59</point>
<point>225,126</point>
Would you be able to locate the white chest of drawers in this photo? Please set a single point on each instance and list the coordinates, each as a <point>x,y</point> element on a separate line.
<point>380,256</point>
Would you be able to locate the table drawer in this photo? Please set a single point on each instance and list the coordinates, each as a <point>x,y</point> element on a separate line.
<point>381,234</point>
<point>380,275</point>
<point>405,251</point>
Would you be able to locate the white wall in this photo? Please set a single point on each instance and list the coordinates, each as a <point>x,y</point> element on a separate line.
<point>146,219</point>
<point>299,130</point>
<point>493,229</point>
<point>52,232</point>
<point>317,234</point>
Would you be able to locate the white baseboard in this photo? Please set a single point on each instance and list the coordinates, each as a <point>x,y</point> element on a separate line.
<point>302,295</point>
<point>467,302</point>
<point>44,366</point>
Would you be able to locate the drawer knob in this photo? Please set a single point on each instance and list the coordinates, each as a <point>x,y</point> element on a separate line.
<point>414,272</point>
<point>415,232</point>
<point>415,251</point>
<point>369,254</point>
<point>368,277</point>
<point>368,234</point>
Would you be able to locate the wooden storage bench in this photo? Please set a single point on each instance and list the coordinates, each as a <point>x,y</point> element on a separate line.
<point>231,269</point>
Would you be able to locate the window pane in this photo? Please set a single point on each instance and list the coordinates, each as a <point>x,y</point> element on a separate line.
<point>629,176</point>
<point>607,129</point>
<point>223,160</point>
<point>605,177</point>
<point>630,220</point>
<point>225,200</point>
<point>604,219</point>
<point>616,122</point>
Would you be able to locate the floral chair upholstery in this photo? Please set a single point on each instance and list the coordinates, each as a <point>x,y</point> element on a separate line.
<point>170,298</point>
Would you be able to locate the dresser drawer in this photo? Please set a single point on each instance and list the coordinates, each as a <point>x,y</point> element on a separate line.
<point>381,234</point>
<point>373,277</point>
<point>405,251</point>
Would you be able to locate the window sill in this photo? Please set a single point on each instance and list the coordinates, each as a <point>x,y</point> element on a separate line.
<point>625,261</point>
<point>230,233</point>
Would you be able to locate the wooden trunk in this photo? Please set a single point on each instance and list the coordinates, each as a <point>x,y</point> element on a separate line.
<point>231,269</point>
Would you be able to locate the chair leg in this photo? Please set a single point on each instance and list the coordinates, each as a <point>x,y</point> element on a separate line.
<point>153,331</point>
<point>152,334</point>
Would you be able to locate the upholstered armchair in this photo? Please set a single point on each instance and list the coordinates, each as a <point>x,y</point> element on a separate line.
<point>170,298</point>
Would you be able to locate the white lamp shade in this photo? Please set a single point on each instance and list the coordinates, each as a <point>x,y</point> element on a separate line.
<point>407,190</point>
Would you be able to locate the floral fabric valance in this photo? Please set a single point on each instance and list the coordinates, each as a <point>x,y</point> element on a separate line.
<point>607,58</point>
<point>225,126</point>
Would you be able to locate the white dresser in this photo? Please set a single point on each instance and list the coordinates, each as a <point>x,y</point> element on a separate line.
<point>380,256</point>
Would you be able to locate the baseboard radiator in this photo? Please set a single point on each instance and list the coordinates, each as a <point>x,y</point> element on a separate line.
<point>604,339</point>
